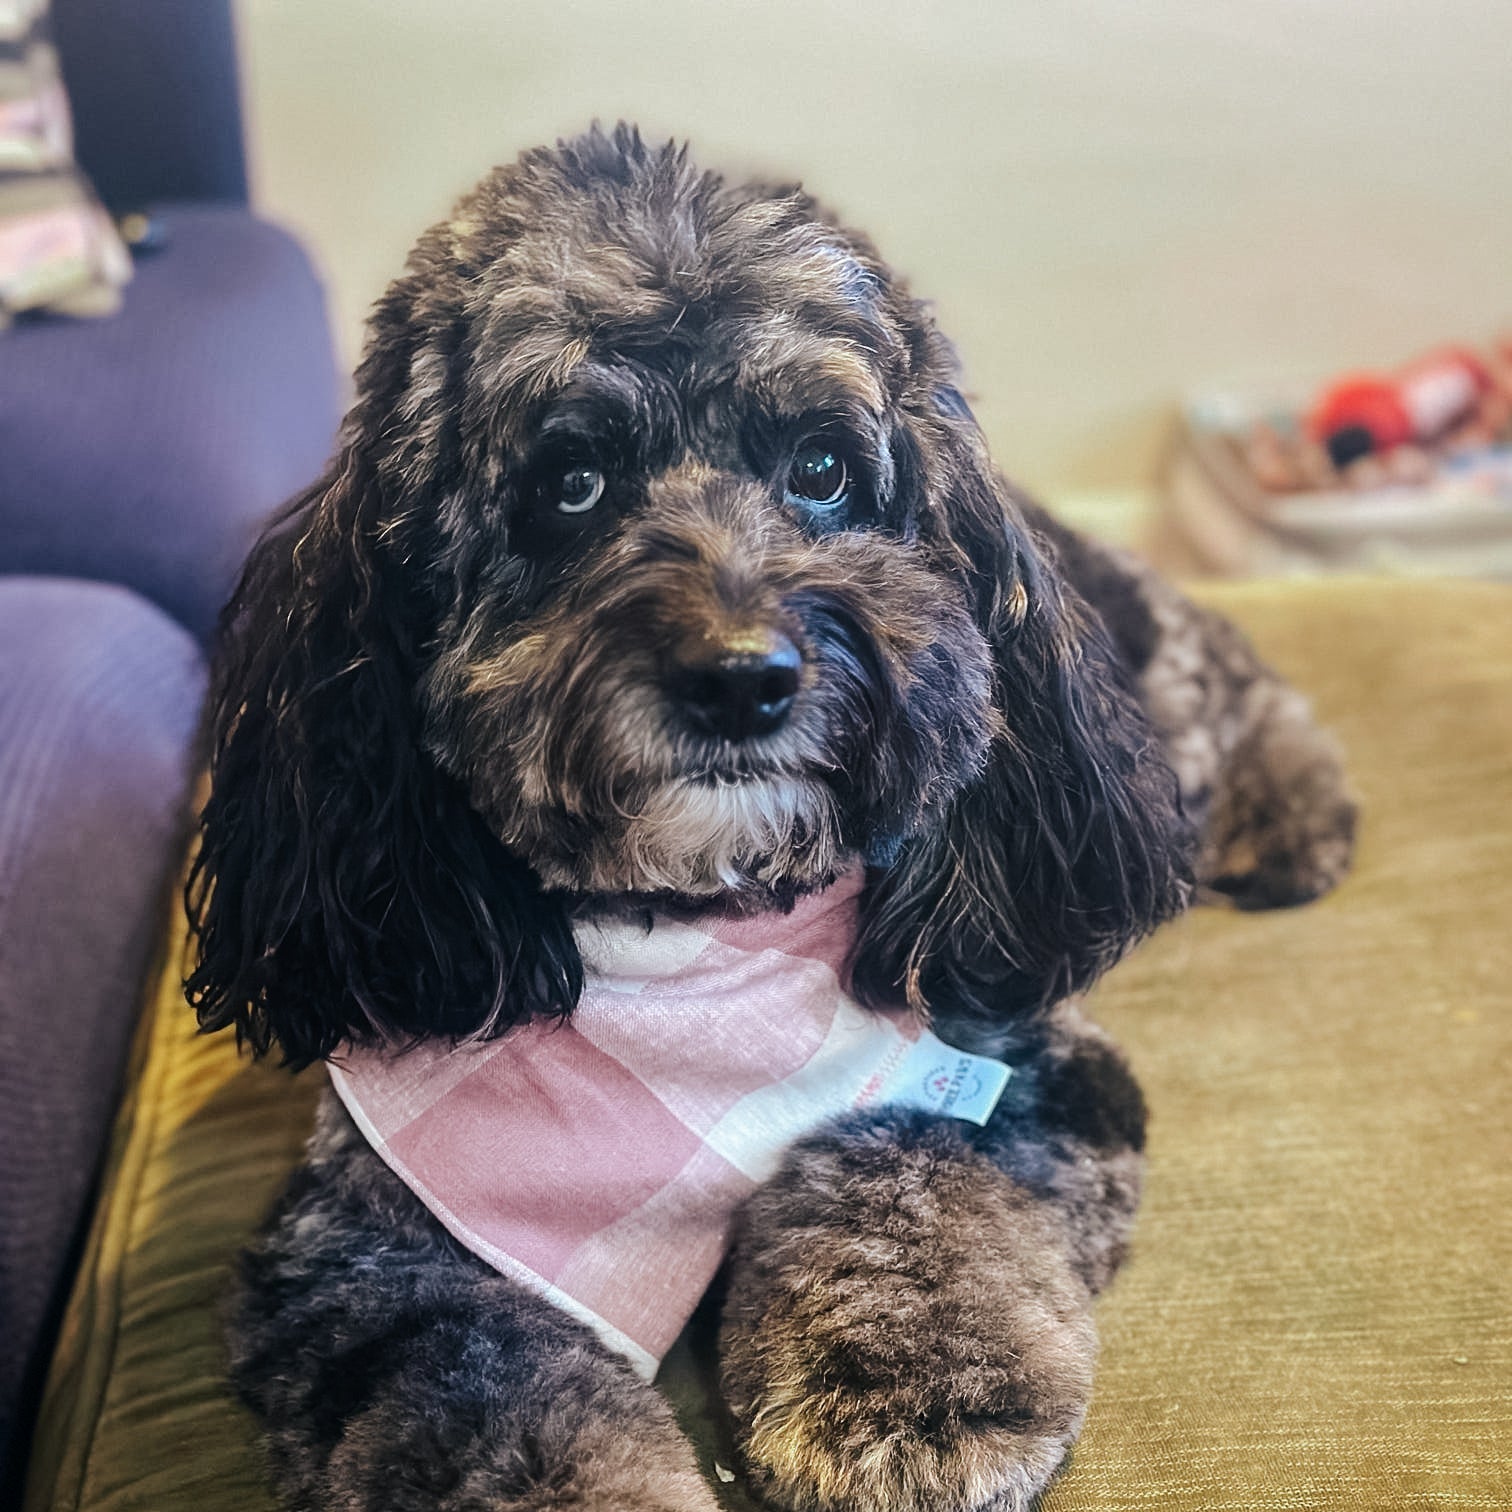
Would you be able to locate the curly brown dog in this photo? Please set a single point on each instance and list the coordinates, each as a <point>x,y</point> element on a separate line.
<point>663,572</point>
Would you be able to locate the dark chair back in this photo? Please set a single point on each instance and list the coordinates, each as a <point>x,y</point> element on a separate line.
<point>153,86</point>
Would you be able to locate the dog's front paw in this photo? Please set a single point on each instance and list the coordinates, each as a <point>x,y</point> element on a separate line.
<point>903,1332</point>
<point>594,1441</point>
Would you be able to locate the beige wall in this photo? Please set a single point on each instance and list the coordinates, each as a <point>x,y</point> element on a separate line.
<point>1112,202</point>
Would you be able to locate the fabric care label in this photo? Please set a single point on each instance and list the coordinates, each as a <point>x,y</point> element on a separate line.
<point>938,1078</point>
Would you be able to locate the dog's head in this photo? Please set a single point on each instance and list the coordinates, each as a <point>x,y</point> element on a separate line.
<point>661,555</point>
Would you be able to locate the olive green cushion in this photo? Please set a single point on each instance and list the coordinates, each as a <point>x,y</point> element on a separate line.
<point>1318,1310</point>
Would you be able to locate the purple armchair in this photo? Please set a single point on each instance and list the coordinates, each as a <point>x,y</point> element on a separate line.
<point>138,456</point>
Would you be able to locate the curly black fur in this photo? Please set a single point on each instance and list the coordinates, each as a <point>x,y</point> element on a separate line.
<point>966,719</point>
<point>344,886</point>
<point>448,720</point>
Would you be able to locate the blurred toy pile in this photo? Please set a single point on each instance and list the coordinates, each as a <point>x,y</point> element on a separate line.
<point>1372,430</point>
<point>1407,471</point>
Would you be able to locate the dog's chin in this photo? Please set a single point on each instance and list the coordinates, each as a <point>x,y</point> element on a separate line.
<point>709,837</point>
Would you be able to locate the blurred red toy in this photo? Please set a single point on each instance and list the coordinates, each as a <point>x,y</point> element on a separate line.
<point>1372,412</point>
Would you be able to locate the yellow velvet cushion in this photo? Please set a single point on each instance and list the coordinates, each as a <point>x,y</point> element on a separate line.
<point>1318,1311</point>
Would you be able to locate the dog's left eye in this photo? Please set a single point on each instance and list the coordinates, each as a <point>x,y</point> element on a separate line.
<point>578,490</point>
<point>818,478</point>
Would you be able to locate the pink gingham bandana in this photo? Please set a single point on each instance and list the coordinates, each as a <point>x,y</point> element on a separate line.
<point>600,1162</point>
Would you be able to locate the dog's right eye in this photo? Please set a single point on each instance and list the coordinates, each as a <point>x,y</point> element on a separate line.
<point>818,477</point>
<point>578,490</point>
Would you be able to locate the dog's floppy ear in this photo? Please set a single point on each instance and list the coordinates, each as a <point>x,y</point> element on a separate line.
<point>1071,844</point>
<point>343,888</point>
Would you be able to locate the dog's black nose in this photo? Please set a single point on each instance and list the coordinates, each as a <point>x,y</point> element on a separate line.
<point>737,690</point>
